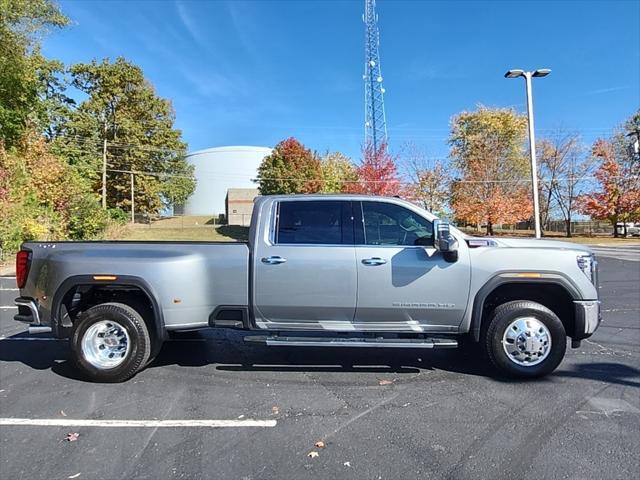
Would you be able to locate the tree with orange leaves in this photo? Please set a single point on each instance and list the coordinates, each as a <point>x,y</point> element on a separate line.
<point>377,174</point>
<point>291,168</point>
<point>487,149</point>
<point>618,199</point>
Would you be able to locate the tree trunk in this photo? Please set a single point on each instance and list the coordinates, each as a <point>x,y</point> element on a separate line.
<point>568,226</point>
<point>489,228</point>
<point>615,227</point>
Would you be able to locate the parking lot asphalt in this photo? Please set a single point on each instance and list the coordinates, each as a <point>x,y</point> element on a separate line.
<point>382,414</point>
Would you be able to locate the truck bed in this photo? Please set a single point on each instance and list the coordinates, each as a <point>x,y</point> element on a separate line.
<point>190,279</point>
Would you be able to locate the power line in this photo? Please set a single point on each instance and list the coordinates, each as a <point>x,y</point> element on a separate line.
<point>401,182</point>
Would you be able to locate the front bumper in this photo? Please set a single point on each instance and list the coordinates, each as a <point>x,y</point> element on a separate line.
<point>588,318</point>
<point>28,313</point>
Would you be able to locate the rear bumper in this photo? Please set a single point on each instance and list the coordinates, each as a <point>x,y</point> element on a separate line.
<point>588,318</point>
<point>28,313</point>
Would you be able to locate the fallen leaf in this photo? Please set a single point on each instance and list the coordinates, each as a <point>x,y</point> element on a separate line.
<point>74,476</point>
<point>275,410</point>
<point>385,382</point>
<point>72,437</point>
<point>313,454</point>
<point>319,444</point>
<point>347,464</point>
<point>62,413</point>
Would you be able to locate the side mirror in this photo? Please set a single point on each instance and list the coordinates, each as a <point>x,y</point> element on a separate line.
<point>443,241</point>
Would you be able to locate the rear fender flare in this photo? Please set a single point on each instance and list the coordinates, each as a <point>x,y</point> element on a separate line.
<point>158,326</point>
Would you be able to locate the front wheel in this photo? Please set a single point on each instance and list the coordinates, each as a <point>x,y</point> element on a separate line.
<point>110,342</point>
<point>525,339</point>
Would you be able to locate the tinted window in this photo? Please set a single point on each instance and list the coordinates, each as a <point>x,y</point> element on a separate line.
<point>389,224</point>
<point>315,222</point>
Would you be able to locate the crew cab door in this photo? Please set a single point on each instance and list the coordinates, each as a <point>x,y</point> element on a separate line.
<point>403,282</point>
<point>304,266</point>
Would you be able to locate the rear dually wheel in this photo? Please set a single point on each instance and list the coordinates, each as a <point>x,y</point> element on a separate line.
<point>110,342</point>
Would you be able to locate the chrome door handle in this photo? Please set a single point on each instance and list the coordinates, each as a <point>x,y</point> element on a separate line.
<point>374,261</point>
<point>275,260</point>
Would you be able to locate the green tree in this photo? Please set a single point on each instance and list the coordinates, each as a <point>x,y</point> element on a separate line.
<point>124,126</point>
<point>338,172</point>
<point>291,168</point>
<point>28,85</point>
<point>487,149</point>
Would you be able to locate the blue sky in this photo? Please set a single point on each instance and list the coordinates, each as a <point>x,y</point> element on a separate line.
<point>255,72</point>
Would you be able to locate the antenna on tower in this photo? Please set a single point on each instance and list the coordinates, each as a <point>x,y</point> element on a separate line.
<point>375,122</point>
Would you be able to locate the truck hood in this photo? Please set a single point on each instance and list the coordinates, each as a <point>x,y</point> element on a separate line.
<point>535,243</point>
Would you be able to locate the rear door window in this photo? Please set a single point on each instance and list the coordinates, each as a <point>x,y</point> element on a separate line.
<point>314,222</point>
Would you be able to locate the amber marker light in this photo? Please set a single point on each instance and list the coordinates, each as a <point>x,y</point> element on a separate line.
<point>105,277</point>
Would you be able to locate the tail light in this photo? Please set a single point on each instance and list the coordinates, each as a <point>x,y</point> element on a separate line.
<point>23,258</point>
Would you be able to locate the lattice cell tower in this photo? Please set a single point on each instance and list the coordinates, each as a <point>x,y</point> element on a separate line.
<point>375,123</point>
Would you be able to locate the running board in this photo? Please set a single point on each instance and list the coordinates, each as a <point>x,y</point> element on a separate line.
<point>281,341</point>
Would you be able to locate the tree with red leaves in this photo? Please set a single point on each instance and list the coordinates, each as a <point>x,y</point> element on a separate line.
<point>618,199</point>
<point>291,168</point>
<point>377,174</point>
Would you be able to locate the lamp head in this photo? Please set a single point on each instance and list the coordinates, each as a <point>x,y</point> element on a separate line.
<point>541,72</point>
<point>514,74</point>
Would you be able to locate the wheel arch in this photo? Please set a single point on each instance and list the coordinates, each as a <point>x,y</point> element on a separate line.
<point>123,285</point>
<point>552,290</point>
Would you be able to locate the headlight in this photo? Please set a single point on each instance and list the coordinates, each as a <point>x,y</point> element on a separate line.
<point>587,263</point>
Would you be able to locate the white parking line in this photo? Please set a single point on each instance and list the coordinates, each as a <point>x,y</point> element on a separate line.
<point>9,289</point>
<point>8,307</point>
<point>69,422</point>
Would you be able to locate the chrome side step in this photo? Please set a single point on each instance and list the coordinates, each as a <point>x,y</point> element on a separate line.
<point>282,341</point>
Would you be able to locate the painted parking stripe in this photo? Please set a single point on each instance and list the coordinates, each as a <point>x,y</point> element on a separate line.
<point>8,307</point>
<point>69,422</point>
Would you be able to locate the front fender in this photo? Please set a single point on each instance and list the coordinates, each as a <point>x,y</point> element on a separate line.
<point>515,277</point>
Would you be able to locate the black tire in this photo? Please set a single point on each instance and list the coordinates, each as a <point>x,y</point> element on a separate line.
<point>139,348</point>
<point>502,317</point>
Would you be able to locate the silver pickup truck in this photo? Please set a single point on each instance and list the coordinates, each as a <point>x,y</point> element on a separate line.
<point>317,271</point>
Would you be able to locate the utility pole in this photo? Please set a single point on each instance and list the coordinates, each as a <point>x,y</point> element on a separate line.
<point>541,72</point>
<point>104,168</point>
<point>133,218</point>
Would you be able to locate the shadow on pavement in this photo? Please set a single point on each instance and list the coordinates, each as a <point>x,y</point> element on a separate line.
<point>616,373</point>
<point>227,351</point>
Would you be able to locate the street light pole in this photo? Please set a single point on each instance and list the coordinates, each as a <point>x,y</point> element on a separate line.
<point>542,72</point>
<point>532,155</point>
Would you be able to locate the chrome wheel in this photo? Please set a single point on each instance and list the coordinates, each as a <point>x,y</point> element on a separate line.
<point>526,341</point>
<point>105,344</point>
